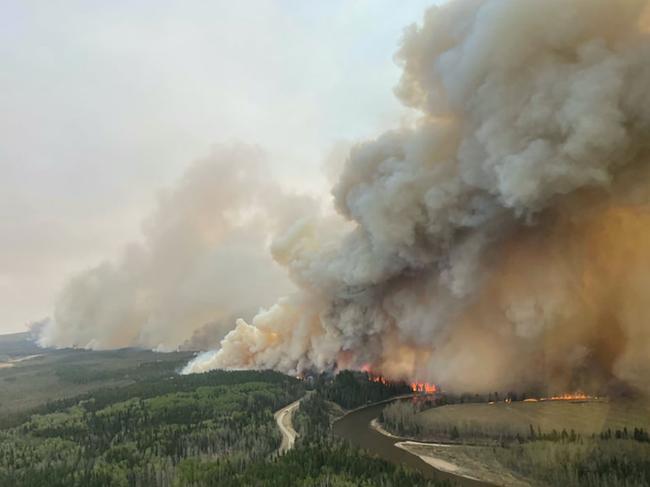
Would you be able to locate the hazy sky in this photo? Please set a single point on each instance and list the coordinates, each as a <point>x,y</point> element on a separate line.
<point>101,103</point>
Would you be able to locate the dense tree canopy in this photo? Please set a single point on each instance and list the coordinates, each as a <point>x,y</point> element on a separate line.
<point>213,429</point>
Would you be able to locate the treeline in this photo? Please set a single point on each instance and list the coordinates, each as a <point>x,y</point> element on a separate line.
<point>636,434</point>
<point>353,389</point>
<point>402,418</point>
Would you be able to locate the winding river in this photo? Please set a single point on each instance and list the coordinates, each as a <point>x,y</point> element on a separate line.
<point>356,428</point>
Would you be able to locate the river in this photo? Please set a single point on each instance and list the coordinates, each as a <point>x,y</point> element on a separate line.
<point>356,428</point>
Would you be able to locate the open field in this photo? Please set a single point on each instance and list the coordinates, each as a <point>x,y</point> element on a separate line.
<point>532,443</point>
<point>499,419</point>
<point>31,376</point>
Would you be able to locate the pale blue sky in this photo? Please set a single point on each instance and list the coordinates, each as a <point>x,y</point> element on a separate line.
<point>101,103</point>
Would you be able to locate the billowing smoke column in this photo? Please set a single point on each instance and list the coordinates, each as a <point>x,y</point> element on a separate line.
<point>203,262</point>
<point>502,240</point>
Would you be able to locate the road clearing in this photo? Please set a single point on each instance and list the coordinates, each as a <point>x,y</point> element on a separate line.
<point>283,418</point>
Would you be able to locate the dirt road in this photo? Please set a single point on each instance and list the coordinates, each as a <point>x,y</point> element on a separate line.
<point>283,418</point>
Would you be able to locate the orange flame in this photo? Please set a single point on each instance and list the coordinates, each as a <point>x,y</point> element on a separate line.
<point>377,378</point>
<point>423,387</point>
<point>575,396</point>
<point>416,387</point>
<point>372,376</point>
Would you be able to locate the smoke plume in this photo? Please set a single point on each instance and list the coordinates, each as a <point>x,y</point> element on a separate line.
<point>501,240</point>
<point>204,260</point>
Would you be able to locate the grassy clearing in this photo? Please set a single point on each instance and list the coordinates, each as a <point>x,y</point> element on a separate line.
<point>500,419</point>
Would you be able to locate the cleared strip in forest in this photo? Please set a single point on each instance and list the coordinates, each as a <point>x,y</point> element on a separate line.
<point>283,418</point>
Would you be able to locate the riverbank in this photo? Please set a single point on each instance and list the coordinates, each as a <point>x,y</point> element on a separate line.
<point>433,461</point>
<point>470,462</point>
<point>377,426</point>
<point>378,403</point>
<point>356,427</point>
<point>474,463</point>
<point>436,462</point>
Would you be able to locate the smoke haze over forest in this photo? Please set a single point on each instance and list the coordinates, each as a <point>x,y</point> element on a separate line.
<point>500,238</point>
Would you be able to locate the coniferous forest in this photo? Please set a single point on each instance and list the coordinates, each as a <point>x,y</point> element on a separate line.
<point>212,429</point>
<point>141,440</point>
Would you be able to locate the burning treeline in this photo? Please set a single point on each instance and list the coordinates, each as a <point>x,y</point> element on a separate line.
<point>502,239</point>
<point>417,387</point>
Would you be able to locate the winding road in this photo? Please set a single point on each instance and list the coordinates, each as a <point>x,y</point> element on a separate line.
<point>283,418</point>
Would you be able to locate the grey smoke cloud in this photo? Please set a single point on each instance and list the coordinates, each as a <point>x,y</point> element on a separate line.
<point>494,242</point>
<point>204,259</point>
<point>105,102</point>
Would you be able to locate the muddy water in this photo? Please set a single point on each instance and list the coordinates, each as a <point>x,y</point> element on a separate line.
<point>355,427</point>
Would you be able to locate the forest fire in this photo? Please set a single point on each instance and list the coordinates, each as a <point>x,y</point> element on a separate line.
<point>416,387</point>
<point>377,378</point>
<point>424,387</point>
<point>373,376</point>
<point>575,396</point>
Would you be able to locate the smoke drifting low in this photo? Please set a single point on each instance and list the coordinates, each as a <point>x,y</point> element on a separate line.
<point>503,239</point>
<point>203,262</point>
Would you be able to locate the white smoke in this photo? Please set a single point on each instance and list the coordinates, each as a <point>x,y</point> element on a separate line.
<point>203,260</point>
<point>470,231</point>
